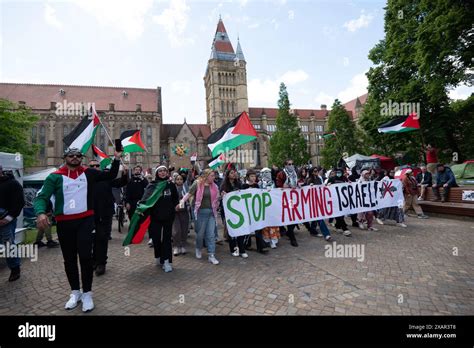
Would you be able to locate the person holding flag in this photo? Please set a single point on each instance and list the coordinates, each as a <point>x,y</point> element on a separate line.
<point>73,186</point>
<point>103,214</point>
<point>156,210</point>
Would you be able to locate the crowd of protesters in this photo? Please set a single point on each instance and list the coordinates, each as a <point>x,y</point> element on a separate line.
<point>187,199</point>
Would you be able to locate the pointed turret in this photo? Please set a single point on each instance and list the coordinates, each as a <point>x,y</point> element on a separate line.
<point>239,53</point>
<point>221,46</point>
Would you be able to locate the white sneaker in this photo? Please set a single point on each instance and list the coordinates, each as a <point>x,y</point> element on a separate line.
<point>157,261</point>
<point>244,255</point>
<point>198,254</point>
<point>362,226</point>
<point>212,259</point>
<point>339,230</point>
<point>167,266</point>
<point>183,250</point>
<point>373,229</point>
<point>401,224</point>
<point>380,222</point>
<point>150,242</point>
<point>420,198</point>
<point>333,224</point>
<point>74,299</point>
<point>273,244</point>
<point>176,251</point>
<point>328,238</point>
<point>236,252</point>
<point>347,233</point>
<point>87,303</point>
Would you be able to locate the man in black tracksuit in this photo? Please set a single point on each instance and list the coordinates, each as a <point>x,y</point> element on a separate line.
<point>103,214</point>
<point>11,203</point>
<point>134,191</point>
<point>337,179</point>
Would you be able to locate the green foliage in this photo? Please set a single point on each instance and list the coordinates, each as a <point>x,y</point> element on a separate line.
<point>346,139</point>
<point>15,131</point>
<point>427,50</point>
<point>287,141</point>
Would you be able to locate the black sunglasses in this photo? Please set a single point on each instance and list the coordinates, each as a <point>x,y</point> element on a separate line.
<point>94,165</point>
<point>71,156</point>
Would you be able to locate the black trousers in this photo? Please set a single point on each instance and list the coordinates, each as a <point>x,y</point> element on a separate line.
<point>261,244</point>
<point>133,206</point>
<point>290,232</point>
<point>76,238</point>
<point>239,242</point>
<point>160,231</point>
<point>103,230</point>
<point>341,223</point>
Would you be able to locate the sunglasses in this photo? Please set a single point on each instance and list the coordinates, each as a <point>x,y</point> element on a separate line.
<point>71,156</point>
<point>94,166</point>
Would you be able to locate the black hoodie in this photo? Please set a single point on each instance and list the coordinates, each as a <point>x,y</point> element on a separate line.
<point>165,207</point>
<point>11,195</point>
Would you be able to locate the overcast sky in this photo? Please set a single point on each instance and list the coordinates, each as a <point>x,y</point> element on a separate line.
<point>319,48</point>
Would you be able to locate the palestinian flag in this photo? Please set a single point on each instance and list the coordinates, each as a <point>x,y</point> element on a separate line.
<point>101,156</point>
<point>400,125</point>
<point>83,134</point>
<point>131,141</point>
<point>217,161</point>
<point>329,135</point>
<point>141,218</point>
<point>231,135</point>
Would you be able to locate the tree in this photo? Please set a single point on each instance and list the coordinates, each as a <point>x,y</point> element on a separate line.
<point>15,131</point>
<point>427,50</point>
<point>345,139</point>
<point>287,141</point>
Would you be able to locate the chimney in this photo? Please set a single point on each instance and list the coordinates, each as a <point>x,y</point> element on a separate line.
<point>111,107</point>
<point>323,107</point>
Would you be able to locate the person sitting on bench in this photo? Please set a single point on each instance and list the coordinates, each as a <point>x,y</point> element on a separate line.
<point>424,180</point>
<point>445,179</point>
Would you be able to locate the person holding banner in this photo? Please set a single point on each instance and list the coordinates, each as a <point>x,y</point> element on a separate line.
<point>315,179</point>
<point>287,178</point>
<point>229,184</point>
<point>392,213</point>
<point>270,234</point>
<point>366,218</point>
<point>337,178</point>
<point>252,183</point>
<point>206,202</point>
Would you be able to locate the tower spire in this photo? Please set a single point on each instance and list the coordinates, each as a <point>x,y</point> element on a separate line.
<point>239,53</point>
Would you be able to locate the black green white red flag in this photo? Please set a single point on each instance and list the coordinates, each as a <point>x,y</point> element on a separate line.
<point>101,157</point>
<point>231,135</point>
<point>400,124</point>
<point>132,141</point>
<point>82,136</point>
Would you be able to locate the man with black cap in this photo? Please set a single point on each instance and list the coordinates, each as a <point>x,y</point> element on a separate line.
<point>11,203</point>
<point>72,186</point>
<point>445,179</point>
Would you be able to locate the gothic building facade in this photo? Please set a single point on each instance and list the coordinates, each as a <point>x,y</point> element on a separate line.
<point>60,108</point>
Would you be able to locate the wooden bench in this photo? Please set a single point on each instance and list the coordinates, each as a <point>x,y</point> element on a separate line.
<point>454,204</point>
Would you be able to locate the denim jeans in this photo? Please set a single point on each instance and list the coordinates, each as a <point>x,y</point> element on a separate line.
<point>205,228</point>
<point>324,229</point>
<point>7,234</point>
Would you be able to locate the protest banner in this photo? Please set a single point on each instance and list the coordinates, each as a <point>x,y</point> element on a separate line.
<point>254,209</point>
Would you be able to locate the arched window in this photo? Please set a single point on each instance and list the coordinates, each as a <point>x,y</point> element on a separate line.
<point>34,135</point>
<point>42,140</point>
<point>122,129</point>
<point>65,133</point>
<point>102,142</point>
<point>149,140</point>
<point>233,110</point>
<point>228,107</point>
<point>222,106</point>
<point>219,77</point>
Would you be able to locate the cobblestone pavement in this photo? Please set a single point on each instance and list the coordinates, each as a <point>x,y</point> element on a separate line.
<point>408,271</point>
